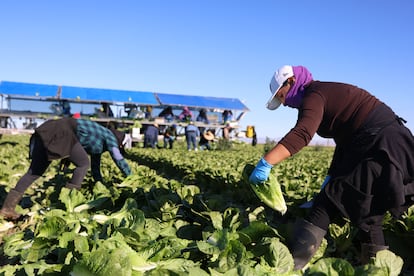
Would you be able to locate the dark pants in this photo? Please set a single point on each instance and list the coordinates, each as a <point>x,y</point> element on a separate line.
<point>168,141</point>
<point>324,212</point>
<point>205,145</point>
<point>39,164</point>
<point>191,139</point>
<point>150,141</point>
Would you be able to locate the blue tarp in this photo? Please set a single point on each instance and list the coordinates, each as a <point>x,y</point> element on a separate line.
<point>96,95</point>
<point>108,95</point>
<point>200,102</point>
<point>18,89</point>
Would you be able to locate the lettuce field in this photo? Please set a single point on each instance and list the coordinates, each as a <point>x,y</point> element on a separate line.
<point>179,213</point>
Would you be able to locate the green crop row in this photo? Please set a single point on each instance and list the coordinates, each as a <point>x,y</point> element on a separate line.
<point>180,213</point>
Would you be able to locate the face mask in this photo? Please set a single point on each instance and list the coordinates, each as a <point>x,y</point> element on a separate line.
<point>296,92</point>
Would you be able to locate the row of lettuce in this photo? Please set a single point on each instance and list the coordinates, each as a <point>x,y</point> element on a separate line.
<point>180,213</point>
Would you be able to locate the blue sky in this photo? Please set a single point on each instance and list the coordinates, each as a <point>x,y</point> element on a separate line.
<point>212,48</point>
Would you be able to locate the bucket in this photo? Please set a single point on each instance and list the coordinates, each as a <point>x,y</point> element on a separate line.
<point>249,131</point>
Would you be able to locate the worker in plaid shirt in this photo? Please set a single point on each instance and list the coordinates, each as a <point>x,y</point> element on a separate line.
<point>67,139</point>
<point>96,139</point>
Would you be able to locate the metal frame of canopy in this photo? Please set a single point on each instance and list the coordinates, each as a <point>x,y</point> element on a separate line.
<point>30,92</point>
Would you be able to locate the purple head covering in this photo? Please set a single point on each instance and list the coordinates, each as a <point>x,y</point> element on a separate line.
<point>295,95</point>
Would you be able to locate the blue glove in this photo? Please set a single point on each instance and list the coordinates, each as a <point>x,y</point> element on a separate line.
<point>325,181</point>
<point>261,173</point>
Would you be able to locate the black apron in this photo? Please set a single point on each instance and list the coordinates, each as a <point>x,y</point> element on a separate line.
<point>374,171</point>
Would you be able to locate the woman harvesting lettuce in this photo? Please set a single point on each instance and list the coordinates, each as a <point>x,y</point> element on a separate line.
<point>372,170</point>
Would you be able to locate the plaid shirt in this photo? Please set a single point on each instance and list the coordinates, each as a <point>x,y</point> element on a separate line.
<point>96,139</point>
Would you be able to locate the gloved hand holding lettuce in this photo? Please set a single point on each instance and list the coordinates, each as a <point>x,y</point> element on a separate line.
<point>261,172</point>
<point>265,185</point>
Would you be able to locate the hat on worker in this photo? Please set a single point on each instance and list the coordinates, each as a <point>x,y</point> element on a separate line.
<point>208,135</point>
<point>280,76</point>
<point>76,115</point>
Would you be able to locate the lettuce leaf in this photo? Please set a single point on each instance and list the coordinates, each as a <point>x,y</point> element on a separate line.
<point>269,192</point>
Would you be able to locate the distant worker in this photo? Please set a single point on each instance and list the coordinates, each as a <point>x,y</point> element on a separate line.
<point>67,138</point>
<point>202,118</point>
<point>251,133</point>
<point>205,139</point>
<point>107,111</point>
<point>148,112</point>
<point>254,138</point>
<point>186,115</point>
<point>132,111</point>
<point>167,114</point>
<point>170,135</point>
<point>151,136</point>
<point>191,134</point>
<point>62,108</point>
<point>227,117</point>
<point>66,108</point>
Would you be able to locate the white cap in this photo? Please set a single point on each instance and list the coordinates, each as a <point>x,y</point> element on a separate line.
<point>280,76</point>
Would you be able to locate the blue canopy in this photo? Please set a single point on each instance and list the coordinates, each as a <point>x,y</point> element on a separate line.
<point>17,90</point>
<point>200,102</point>
<point>107,95</point>
<point>24,90</point>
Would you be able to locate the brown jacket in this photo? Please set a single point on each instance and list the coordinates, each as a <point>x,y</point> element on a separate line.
<point>332,110</point>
